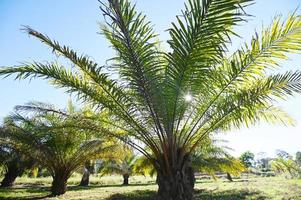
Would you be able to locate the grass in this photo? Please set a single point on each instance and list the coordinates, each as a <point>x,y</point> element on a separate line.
<point>141,188</point>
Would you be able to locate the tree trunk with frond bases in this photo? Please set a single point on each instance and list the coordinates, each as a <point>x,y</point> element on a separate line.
<point>178,185</point>
<point>59,184</point>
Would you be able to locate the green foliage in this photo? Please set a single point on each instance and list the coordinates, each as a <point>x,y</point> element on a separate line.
<point>55,135</point>
<point>55,138</point>
<point>13,161</point>
<point>144,166</point>
<point>247,158</point>
<point>211,158</point>
<point>121,161</point>
<point>148,99</point>
<point>285,164</point>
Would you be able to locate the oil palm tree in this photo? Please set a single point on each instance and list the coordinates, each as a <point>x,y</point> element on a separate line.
<point>60,145</point>
<point>170,101</point>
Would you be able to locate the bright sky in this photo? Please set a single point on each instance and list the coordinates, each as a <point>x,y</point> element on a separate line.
<point>74,23</point>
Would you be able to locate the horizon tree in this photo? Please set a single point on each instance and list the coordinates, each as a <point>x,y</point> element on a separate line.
<point>247,158</point>
<point>60,145</point>
<point>171,100</point>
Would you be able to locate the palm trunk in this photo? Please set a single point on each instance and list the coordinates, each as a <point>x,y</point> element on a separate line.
<point>229,177</point>
<point>85,178</point>
<point>9,179</point>
<point>126,179</point>
<point>178,185</point>
<point>59,183</point>
<point>10,176</point>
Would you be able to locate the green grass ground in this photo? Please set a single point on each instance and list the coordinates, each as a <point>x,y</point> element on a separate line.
<point>141,188</point>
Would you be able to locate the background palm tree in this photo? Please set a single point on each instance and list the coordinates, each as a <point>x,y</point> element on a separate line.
<point>121,162</point>
<point>14,163</point>
<point>170,101</point>
<point>87,169</point>
<point>61,147</point>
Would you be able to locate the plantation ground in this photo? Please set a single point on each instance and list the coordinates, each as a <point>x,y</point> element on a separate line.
<point>108,188</point>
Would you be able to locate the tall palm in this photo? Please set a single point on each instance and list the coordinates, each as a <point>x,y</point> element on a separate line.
<point>170,101</point>
<point>60,144</point>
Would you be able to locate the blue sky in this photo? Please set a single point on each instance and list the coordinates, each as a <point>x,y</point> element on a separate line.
<point>74,23</point>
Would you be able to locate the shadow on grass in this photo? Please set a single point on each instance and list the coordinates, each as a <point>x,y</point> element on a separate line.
<point>228,195</point>
<point>78,188</point>
<point>198,195</point>
<point>43,192</point>
<point>204,181</point>
<point>17,193</point>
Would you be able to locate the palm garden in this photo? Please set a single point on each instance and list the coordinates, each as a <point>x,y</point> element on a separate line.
<point>164,104</point>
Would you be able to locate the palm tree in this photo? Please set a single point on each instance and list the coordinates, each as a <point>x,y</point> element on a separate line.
<point>122,162</point>
<point>14,162</point>
<point>60,145</point>
<point>170,101</point>
<point>87,169</point>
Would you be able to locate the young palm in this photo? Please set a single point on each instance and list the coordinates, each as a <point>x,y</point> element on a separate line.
<point>170,101</point>
<point>60,144</point>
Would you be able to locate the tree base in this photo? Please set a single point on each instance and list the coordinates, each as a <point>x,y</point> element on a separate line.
<point>126,179</point>
<point>177,186</point>
<point>8,180</point>
<point>59,185</point>
<point>85,178</point>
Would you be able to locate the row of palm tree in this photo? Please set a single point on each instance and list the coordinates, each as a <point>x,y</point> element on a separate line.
<point>46,136</point>
<point>170,101</point>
